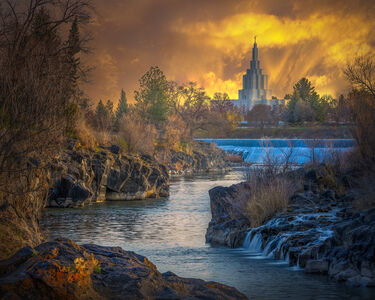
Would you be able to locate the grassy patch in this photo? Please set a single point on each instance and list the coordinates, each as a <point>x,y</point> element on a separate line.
<point>269,194</point>
<point>97,269</point>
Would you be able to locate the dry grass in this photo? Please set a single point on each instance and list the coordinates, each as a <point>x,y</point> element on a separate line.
<point>139,136</point>
<point>86,135</point>
<point>269,195</point>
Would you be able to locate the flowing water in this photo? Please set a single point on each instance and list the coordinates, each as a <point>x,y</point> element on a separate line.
<point>297,151</point>
<point>170,232</point>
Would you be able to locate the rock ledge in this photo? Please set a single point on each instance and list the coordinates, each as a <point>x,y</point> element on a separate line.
<point>65,270</point>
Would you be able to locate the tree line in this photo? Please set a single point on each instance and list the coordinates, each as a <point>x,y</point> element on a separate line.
<point>169,113</point>
<point>303,105</point>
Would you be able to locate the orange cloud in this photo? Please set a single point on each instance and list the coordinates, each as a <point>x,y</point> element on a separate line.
<point>210,42</point>
<point>335,40</point>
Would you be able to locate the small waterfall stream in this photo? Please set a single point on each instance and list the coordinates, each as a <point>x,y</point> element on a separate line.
<point>277,238</point>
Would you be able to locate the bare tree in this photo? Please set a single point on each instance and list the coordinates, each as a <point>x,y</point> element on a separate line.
<point>190,103</point>
<point>39,75</point>
<point>361,74</point>
<point>260,114</point>
<point>361,100</point>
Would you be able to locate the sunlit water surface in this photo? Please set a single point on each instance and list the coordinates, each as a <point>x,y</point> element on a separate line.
<point>170,232</point>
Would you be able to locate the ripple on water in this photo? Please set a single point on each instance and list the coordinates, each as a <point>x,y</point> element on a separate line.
<point>170,232</point>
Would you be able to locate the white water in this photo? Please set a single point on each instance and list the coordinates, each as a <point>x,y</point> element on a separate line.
<point>171,233</point>
<point>253,242</point>
<point>296,151</point>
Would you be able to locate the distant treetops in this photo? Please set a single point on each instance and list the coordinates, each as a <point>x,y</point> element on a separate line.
<point>305,104</point>
<point>157,99</point>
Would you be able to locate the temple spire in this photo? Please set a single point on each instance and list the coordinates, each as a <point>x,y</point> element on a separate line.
<point>255,49</point>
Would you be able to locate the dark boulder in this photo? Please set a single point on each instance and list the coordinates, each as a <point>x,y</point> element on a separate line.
<point>65,270</point>
<point>229,223</point>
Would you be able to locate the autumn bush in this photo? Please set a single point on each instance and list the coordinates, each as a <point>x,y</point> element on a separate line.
<point>269,194</point>
<point>138,136</point>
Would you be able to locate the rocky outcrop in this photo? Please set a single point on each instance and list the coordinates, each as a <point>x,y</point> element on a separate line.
<point>65,270</point>
<point>205,157</point>
<point>335,242</point>
<point>79,176</point>
<point>228,225</point>
<point>319,231</point>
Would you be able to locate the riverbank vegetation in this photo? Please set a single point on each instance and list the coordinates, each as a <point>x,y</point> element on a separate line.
<point>269,194</point>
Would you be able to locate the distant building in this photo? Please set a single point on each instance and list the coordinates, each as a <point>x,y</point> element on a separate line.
<point>254,86</point>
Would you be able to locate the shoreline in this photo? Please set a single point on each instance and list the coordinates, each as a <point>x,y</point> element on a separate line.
<point>319,231</point>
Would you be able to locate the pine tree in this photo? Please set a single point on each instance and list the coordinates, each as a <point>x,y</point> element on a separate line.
<point>122,106</point>
<point>101,115</point>
<point>73,49</point>
<point>100,109</point>
<point>303,91</point>
<point>109,107</point>
<point>153,97</point>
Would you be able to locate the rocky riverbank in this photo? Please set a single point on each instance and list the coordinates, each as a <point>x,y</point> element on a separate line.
<point>320,231</point>
<point>205,157</point>
<point>79,176</point>
<point>65,270</point>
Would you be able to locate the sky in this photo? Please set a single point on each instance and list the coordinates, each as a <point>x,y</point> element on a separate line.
<point>210,41</point>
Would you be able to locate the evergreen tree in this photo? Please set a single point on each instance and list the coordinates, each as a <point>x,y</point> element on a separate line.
<point>109,108</point>
<point>101,110</point>
<point>122,106</point>
<point>304,91</point>
<point>101,115</point>
<point>153,96</point>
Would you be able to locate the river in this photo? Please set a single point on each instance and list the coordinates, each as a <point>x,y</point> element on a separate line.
<point>171,233</point>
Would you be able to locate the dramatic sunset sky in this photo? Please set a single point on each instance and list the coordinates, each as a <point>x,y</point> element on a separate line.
<point>209,41</point>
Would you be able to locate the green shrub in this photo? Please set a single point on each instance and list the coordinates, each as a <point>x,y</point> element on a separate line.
<point>123,144</point>
<point>97,269</point>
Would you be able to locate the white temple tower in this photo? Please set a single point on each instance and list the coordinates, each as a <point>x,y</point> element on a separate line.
<point>255,84</point>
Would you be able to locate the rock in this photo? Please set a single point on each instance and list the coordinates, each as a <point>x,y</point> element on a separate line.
<point>205,157</point>
<point>115,149</point>
<point>65,270</point>
<point>228,225</point>
<point>84,176</point>
<point>316,266</point>
<point>231,233</point>
<point>69,193</point>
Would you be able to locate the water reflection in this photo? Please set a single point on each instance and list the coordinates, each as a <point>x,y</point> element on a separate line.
<point>170,232</point>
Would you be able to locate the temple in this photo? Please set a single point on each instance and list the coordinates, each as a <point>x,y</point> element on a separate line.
<point>254,86</point>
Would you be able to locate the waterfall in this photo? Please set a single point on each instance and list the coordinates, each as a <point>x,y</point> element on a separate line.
<point>253,242</point>
<point>277,244</point>
<point>297,151</point>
